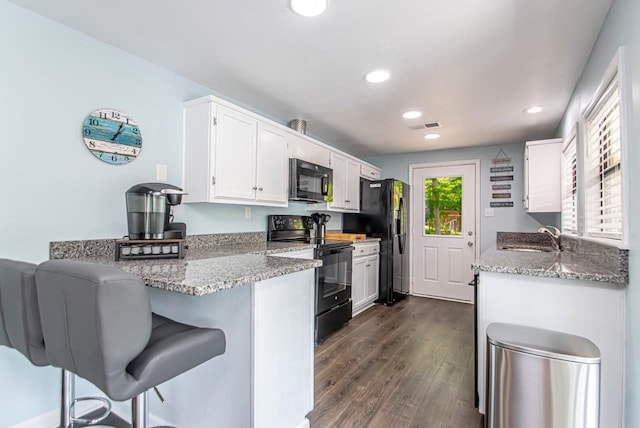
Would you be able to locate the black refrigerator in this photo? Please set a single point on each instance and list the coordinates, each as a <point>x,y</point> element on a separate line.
<point>384,206</point>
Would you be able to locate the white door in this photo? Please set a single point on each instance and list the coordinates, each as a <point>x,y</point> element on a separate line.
<point>444,229</point>
<point>272,176</point>
<point>372,266</point>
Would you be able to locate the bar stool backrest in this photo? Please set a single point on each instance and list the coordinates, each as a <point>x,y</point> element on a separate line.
<point>20,326</point>
<point>95,318</point>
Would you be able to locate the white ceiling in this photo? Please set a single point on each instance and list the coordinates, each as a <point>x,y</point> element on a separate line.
<point>472,65</point>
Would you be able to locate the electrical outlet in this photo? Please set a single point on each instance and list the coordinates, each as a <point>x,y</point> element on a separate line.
<point>247,213</point>
<point>488,212</point>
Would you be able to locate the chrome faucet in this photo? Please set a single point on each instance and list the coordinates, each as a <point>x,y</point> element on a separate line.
<point>554,233</point>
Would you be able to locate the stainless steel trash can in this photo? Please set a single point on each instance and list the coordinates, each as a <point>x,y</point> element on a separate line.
<point>541,379</point>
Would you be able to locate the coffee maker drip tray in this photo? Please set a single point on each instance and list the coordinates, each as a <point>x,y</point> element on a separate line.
<point>141,249</point>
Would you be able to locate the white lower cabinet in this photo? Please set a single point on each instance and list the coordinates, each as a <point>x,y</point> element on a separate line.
<point>365,277</point>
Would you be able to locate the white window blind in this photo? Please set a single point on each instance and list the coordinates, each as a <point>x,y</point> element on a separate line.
<point>603,167</point>
<point>570,186</point>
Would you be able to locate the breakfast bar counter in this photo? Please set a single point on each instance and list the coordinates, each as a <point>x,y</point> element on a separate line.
<point>262,301</point>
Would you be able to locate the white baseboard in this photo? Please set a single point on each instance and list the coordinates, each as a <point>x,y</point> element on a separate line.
<point>52,419</point>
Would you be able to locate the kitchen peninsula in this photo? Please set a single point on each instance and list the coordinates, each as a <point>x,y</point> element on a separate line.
<point>265,306</point>
<point>579,290</point>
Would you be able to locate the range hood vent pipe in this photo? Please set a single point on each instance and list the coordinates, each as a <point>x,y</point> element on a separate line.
<point>299,125</point>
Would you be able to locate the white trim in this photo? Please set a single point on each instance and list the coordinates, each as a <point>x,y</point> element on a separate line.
<point>412,168</point>
<point>52,419</point>
<point>616,66</point>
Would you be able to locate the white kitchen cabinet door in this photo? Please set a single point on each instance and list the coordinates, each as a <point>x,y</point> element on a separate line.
<point>272,166</point>
<point>543,176</point>
<point>235,155</point>
<point>339,167</point>
<point>372,278</point>
<point>352,188</point>
<point>369,173</point>
<point>301,148</point>
<point>358,283</point>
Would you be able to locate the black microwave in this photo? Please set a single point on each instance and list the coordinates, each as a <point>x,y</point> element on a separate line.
<point>309,182</point>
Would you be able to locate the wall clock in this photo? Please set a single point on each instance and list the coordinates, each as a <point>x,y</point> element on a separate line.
<point>112,136</point>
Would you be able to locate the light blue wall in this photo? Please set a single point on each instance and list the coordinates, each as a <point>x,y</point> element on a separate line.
<point>51,77</point>
<point>506,219</point>
<point>622,28</point>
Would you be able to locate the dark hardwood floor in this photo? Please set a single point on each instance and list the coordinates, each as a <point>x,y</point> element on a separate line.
<point>405,366</point>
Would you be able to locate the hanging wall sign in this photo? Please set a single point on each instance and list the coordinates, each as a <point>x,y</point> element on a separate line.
<point>500,173</point>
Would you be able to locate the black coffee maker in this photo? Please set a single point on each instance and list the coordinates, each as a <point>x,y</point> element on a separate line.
<point>150,211</point>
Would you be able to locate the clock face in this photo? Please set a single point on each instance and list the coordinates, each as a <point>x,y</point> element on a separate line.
<point>112,136</point>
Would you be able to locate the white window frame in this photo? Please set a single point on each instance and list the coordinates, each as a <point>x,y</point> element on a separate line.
<point>616,70</point>
<point>571,145</point>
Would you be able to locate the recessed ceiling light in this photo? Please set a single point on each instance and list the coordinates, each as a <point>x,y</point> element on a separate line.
<point>377,76</point>
<point>431,136</point>
<point>533,110</point>
<point>411,114</point>
<point>308,7</point>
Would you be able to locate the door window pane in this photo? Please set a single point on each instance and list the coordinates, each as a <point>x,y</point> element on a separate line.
<point>443,206</point>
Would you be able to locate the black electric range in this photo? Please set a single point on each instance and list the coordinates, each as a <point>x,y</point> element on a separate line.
<point>333,305</point>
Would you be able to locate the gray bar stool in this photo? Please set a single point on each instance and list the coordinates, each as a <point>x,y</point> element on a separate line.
<point>97,323</point>
<point>20,326</point>
<point>21,329</point>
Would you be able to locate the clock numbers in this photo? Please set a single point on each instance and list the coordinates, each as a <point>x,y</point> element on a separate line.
<point>112,136</point>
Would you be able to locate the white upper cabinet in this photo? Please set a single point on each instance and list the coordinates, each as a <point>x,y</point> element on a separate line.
<point>542,176</point>
<point>272,175</point>
<point>232,157</point>
<point>299,147</point>
<point>339,167</point>
<point>369,172</point>
<point>352,191</point>
<point>346,183</point>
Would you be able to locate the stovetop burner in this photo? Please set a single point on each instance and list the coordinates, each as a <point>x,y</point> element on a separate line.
<point>297,228</point>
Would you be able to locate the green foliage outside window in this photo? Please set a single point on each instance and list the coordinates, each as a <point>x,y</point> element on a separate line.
<point>443,206</point>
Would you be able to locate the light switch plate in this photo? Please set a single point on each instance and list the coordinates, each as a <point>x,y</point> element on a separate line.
<point>488,212</point>
<point>161,172</point>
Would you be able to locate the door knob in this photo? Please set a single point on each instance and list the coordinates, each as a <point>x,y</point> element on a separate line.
<point>470,244</point>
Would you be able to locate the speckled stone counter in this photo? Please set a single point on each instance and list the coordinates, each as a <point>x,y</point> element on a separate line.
<point>207,267</point>
<point>609,267</point>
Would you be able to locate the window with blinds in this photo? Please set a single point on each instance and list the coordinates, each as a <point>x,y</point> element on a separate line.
<point>603,168</point>
<point>570,186</point>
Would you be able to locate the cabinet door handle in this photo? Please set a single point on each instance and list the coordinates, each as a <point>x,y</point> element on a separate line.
<point>213,181</point>
<point>367,265</point>
<point>260,189</point>
<point>347,200</point>
<point>255,188</point>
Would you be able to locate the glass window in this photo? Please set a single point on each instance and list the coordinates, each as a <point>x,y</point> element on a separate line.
<point>570,185</point>
<point>443,206</point>
<point>603,165</point>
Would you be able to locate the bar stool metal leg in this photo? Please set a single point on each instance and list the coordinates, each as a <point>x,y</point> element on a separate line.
<point>68,394</point>
<point>140,410</point>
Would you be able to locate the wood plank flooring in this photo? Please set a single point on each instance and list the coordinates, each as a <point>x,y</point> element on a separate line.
<point>405,366</point>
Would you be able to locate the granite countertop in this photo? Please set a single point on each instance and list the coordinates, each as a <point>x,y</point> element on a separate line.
<point>205,269</point>
<point>366,241</point>
<point>566,264</point>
